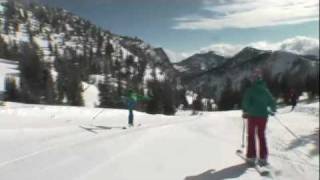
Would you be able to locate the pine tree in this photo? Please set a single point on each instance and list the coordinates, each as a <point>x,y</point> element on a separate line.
<point>60,82</point>
<point>29,32</point>
<point>168,99</point>
<point>84,66</point>
<point>10,11</point>
<point>119,73</point>
<point>226,101</point>
<point>129,62</point>
<point>49,87</point>
<point>35,78</point>
<point>11,90</point>
<point>31,74</point>
<point>69,82</point>
<point>181,99</point>
<point>4,52</point>
<point>197,103</point>
<point>108,97</point>
<point>99,43</point>
<point>312,85</point>
<point>13,53</point>
<point>154,105</point>
<point>109,50</point>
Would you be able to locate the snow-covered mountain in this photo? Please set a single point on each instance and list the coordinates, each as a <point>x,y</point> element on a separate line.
<point>199,63</point>
<point>104,57</point>
<point>52,27</point>
<point>282,71</point>
<point>114,63</point>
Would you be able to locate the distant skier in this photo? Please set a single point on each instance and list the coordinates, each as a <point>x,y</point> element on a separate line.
<point>256,102</point>
<point>131,101</point>
<point>197,105</point>
<point>293,97</point>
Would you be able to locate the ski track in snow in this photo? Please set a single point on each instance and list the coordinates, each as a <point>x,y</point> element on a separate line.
<point>46,142</point>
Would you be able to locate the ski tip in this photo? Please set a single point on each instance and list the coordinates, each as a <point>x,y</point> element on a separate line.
<point>239,151</point>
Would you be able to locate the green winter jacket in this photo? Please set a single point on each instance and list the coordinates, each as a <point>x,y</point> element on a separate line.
<point>133,98</point>
<point>257,99</point>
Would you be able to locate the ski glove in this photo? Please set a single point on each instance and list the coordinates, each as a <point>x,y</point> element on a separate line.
<point>245,115</point>
<point>272,113</point>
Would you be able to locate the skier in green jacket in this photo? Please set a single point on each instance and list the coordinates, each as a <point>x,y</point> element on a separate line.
<point>257,105</point>
<point>131,101</point>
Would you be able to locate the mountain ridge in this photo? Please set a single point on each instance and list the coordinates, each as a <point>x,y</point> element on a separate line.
<point>124,62</point>
<point>282,71</point>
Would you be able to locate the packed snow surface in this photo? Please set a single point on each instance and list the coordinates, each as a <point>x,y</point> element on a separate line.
<point>40,142</point>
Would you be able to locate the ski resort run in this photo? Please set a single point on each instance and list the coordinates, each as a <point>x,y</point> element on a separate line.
<point>65,143</point>
<point>79,102</point>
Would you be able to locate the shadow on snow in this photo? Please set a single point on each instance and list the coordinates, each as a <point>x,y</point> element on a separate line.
<point>230,172</point>
<point>305,140</point>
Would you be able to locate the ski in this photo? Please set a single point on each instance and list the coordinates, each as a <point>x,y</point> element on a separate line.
<point>262,170</point>
<point>94,128</point>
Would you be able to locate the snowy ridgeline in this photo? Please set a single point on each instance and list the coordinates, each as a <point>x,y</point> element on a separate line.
<point>278,66</point>
<point>58,142</point>
<point>50,38</point>
<point>47,37</point>
<point>58,32</point>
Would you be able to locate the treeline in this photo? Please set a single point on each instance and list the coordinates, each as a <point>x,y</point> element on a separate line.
<point>280,87</point>
<point>36,83</point>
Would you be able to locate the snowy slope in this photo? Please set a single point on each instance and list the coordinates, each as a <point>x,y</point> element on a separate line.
<point>50,142</point>
<point>90,95</point>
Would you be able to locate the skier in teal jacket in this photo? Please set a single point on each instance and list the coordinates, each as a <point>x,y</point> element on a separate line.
<point>257,105</point>
<point>131,101</point>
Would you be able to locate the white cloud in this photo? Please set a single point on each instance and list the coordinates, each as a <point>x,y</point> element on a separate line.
<point>250,14</point>
<point>176,56</point>
<point>299,45</point>
<point>223,49</point>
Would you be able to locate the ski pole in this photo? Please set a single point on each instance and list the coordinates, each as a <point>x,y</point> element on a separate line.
<point>243,131</point>
<point>299,139</point>
<point>94,117</point>
<point>286,127</point>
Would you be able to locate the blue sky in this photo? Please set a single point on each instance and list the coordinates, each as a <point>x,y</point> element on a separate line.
<point>190,25</point>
